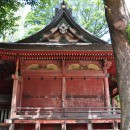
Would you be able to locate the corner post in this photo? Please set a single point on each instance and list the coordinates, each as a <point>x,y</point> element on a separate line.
<point>107,64</point>
<point>14,94</point>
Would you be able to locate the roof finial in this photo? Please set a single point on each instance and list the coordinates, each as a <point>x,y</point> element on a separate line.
<point>63,5</point>
<point>63,2</point>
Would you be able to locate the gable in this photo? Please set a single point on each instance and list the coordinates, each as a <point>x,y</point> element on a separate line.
<point>64,30</point>
<point>63,33</point>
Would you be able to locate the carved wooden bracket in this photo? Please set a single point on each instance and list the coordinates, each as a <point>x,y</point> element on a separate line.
<point>107,64</point>
<point>15,77</point>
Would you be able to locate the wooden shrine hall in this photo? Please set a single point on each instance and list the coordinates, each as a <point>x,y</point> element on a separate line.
<point>61,78</point>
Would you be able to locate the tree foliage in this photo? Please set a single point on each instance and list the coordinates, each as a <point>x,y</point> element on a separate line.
<point>90,14</point>
<point>7,17</point>
<point>128,32</point>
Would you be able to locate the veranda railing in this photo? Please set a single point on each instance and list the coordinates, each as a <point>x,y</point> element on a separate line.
<point>68,112</point>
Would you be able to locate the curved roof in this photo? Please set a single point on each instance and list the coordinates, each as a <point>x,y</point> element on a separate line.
<point>61,35</point>
<point>63,29</point>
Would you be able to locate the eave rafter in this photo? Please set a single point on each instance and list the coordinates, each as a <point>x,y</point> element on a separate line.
<point>68,55</point>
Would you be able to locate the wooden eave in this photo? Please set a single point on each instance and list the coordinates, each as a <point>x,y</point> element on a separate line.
<point>33,48</point>
<point>25,51</point>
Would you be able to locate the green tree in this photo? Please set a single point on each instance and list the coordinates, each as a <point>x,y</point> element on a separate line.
<point>8,18</point>
<point>90,14</point>
<point>118,21</point>
<point>40,16</point>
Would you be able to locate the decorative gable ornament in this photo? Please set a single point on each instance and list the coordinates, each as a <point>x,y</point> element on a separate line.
<point>63,28</point>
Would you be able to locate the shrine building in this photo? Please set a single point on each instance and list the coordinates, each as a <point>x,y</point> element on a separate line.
<point>61,78</point>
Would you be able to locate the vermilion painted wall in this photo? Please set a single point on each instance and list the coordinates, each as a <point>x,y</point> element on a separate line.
<point>41,93</point>
<point>43,88</point>
<point>85,92</point>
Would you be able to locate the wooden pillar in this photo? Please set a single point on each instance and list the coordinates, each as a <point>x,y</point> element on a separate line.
<point>63,92</point>
<point>14,94</point>
<point>115,125</point>
<point>113,105</point>
<point>63,85</point>
<point>37,126</point>
<point>106,83</point>
<point>63,126</point>
<point>21,90</point>
<point>107,93</point>
<point>90,125</point>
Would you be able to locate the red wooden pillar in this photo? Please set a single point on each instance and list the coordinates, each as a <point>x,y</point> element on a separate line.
<point>63,85</point>
<point>106,83</point>
<point>15,88</point>
<point>107,93</point>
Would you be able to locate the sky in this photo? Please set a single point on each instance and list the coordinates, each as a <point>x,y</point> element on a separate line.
<point>128,4</point>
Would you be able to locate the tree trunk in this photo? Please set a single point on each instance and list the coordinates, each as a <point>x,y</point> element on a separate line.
<point>117,17</point>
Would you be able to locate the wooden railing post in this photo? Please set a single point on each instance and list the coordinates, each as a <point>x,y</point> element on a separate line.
<point>89,114</point>
<point>63,126</point>
<point>12,127</point>
<point>37,126</point>
<point>90,125</point>
<point>115,125</point>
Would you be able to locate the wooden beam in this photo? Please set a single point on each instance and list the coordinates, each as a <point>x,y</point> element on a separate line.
<point>68,121</point>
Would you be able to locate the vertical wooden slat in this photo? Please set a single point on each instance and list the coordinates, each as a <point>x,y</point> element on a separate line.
<point>2,115</point>
<point>5,114</point>
<point>90,126</point>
